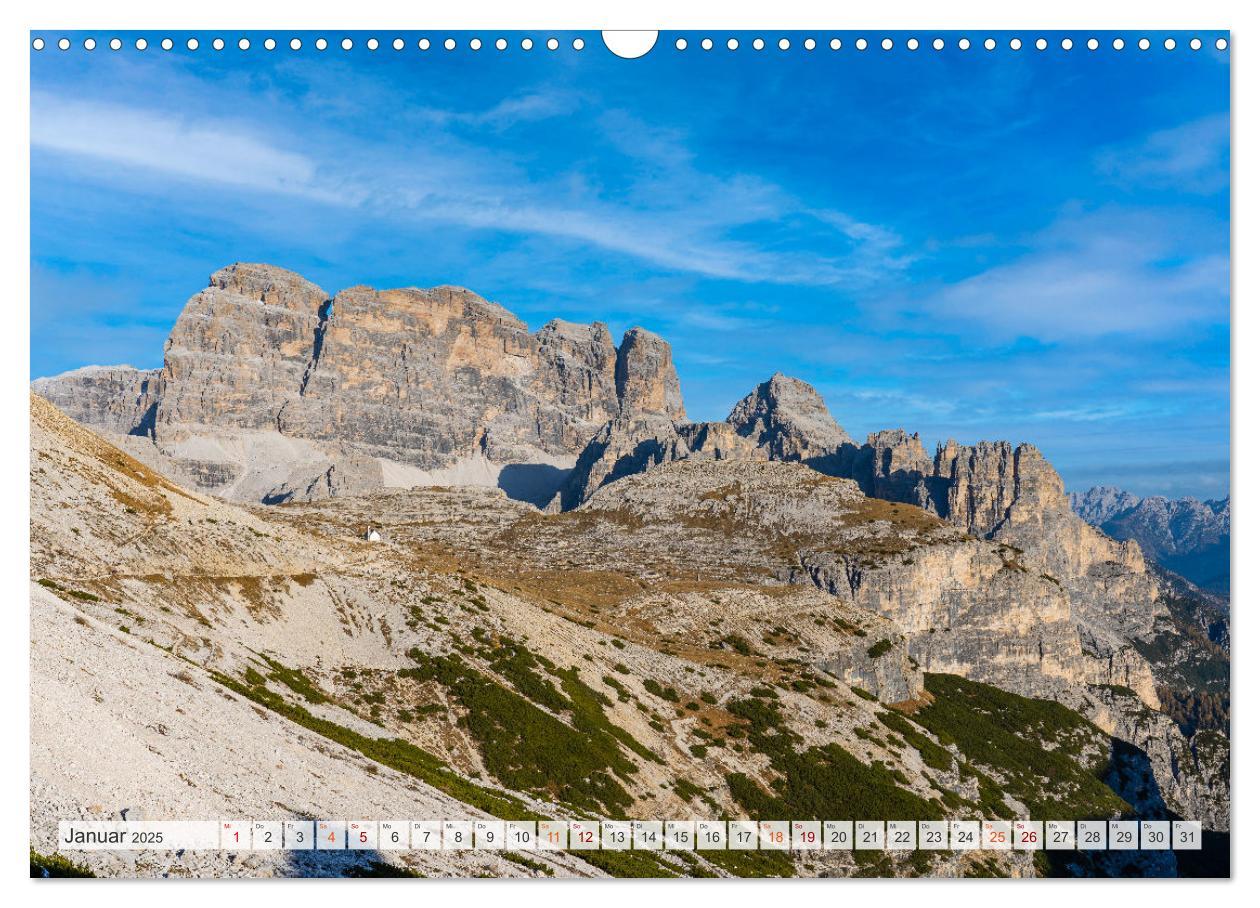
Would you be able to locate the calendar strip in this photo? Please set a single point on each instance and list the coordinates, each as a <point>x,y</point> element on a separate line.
<point>625,835</point>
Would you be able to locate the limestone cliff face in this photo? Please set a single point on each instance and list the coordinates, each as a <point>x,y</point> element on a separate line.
<point>578,368</point>
<point>971,608</point>
<point>1011,495</point>
<point>425,377</point>
<point>978,487</point>
<point>893,465</point>
<point>238,352</point>
<point>118,399</point>
<point>646,380</point>
<point>272,390</point>
<point>988,478</point>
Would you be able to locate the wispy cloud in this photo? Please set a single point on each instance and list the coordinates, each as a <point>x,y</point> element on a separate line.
<point>1090,275</point>
<point>1192,157</point>
<point>1103,413</point>
<point>209,151</point>
<point>530,107</point>
<point>903,404</point>
<point>675,215</point>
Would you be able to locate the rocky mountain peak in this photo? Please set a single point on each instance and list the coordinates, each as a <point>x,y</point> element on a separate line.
<point>269,284</point>
<point>646,380</point>
<point>576,332</point>
<point>788,419</point>
<point>781,419</point>
<point>1100,503</point>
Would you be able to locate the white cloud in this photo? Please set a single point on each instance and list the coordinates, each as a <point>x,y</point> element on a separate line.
<point>1192,157</point>
<point>1093,275</point>
<point>195,149</point>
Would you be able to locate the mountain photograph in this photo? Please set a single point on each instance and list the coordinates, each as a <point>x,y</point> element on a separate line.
<point>747,480</point>
<point>573,601</point>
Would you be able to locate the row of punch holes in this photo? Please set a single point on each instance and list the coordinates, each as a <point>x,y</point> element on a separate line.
<point>553,44</point>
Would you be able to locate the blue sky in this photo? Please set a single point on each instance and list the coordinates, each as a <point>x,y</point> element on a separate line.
<point>1022,245</point>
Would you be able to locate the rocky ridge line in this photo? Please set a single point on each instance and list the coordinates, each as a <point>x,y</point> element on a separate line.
<point>271,390</point>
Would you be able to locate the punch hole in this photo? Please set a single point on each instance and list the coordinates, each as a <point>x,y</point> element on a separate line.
<point>630,45</point>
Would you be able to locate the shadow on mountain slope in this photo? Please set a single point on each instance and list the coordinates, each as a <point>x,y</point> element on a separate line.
<point>535,483</point>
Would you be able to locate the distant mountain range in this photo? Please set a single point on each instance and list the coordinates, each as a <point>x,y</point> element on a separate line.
<point>1185,535</point>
